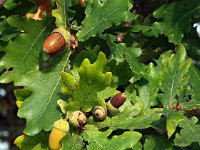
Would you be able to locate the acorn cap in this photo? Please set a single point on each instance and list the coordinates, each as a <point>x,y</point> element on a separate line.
<point>110,107</point>
<point>77,119</point>
<point>66,34</point>
<point>118,99</point>
<point>62,124</point>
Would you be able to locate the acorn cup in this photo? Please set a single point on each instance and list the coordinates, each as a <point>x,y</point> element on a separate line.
<point>60,129</point>
<point>77,119</point>
<point>99,113</point>
<point>115,102</point>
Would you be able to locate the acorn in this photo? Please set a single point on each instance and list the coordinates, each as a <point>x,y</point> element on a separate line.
<point>118,99</point>
<point>60,129</point>
<point>100,113</point>
<point>77,119</point>
<point>115,102</point>
<point>54,43</point>
<point>57,40</point>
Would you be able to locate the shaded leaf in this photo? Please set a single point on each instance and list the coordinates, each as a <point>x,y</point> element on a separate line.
<point>176,19</point>
<point>130,54</point>
<point>195,82</point>
<point>6,31</point>
<point>120,77</point>
<point>157,142</point>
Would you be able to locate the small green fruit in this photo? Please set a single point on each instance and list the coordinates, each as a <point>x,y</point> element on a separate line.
<point>100,113</point>
<point>77,119</point>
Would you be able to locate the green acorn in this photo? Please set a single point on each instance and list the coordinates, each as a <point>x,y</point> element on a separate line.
<point>99,113</point>
<point>77,119</point>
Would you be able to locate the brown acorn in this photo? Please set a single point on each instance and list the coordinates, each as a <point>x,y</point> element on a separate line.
<point>118,99</point>
<point>115,102</point>
<point>100,113</point>
<point>54,43</point>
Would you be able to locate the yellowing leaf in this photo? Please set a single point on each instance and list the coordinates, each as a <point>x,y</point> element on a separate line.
<point>92,80</point>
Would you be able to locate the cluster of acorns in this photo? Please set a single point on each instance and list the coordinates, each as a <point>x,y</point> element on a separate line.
<point>78,119</point>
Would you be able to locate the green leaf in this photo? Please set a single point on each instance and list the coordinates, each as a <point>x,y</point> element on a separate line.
<point>150,90</point>
<point>92,80</point>
<point>10,4</point>
<point>37,142</point>
<point>138,146</point>
<point>132,117</point>
<point>62,14</point>
<point>89,54</point>
<point>145,96</point>
<point>176,19</point>
<point>40,109</point>
<point>173,119</point>
<point>174,74</point>
<point>190,105</point>
<point>157,142</point>
<point>22,94</point>
<point>99,140</point>
<point>130,54</point>
<point>22,54</point>
<point>189,133</point>
<point>195,82</point>
<point>106,13</point>
<point>107,92</point>
<point>6,31</point>
<point>120,77</point>
<point>72,142</point>
<point>69,83</point>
